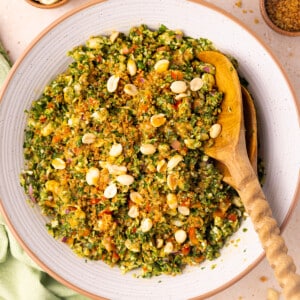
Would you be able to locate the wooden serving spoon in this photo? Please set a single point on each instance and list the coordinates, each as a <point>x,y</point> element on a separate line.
<point>230,149</point>
<point>250,122</point>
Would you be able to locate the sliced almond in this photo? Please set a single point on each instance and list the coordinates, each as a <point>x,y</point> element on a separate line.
<point>174,161</point>
<point>147,149</point>
<point>133,212</point>
<point>184,210</point>
<point>161,65</point>
<point>158,120</point>
<point>114,35</point>
<point>146,225</point>
<point>88,138</point>
<point>116,170</point>
<point>180,236</point>
<point>172,201</point>
<point>168,248</point>
<point>112,83</point>
<point>125,179</point>
<point>178,87</point>
<point>131,67</point>
<point>116,150</point>
<point>92,176</point>
<point>161,166</point>
<point>215,130</point>
<point>110,191</point>
<point>196,84</point>
<point>130,89</point>
<point>172,182</point>
<point>58,163</point>
<point>136,197</point>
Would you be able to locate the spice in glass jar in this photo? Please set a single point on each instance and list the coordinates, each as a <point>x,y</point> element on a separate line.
<point>284,13</point>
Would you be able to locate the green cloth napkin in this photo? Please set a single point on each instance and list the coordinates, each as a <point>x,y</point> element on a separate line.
<point>20,277</point>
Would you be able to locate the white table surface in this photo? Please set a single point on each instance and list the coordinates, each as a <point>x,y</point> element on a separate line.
<point>20,23</point>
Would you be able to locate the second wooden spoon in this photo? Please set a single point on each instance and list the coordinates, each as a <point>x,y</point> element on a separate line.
<point>230,149</point>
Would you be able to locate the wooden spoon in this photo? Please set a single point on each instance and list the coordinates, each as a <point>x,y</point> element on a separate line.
<point>250,122</point>
<point>230,149</point>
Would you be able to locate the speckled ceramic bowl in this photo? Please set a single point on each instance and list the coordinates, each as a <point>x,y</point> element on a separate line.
<point>278,116</point>
<point>46,6</point>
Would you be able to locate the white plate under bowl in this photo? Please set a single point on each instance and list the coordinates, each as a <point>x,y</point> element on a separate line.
<point>278,129</point>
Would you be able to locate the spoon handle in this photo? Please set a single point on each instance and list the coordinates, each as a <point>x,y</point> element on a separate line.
<point>267,228</point>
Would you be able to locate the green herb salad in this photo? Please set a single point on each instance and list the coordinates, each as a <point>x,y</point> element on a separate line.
<point>114,153</point>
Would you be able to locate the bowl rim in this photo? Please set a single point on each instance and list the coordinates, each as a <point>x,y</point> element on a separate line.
<point>274,27</point>
<point>296,196</point>
<point>45,6</point>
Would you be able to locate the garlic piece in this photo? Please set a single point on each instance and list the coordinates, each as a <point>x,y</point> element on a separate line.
<point>161,65</point>
<point>110,191</point>
<point>92,176</point>
<point>147,149</point>
<point>116,150</point>
<point>112,83</point>
<point>196,84</point>
<point>158,120</point>
<point>58,164</point>
<point>125,179</point>
<point>178,87</point>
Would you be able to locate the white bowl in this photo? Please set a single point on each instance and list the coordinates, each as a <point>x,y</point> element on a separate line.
<point>278,129</point>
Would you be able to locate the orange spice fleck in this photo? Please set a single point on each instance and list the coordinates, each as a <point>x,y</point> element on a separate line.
<point>263,278</point>
<point>238,3</point>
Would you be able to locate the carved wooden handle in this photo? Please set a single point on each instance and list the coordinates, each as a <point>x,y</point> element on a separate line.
<point>266,226</point>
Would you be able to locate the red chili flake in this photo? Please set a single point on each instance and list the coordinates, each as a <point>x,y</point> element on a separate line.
<point>43,119</point>
<point>177,103</point>
<point>95,201</point>
<point>176,75</point>
<point>106,211</point>
<point>115,256</point>
<point>50,105</point>
<point>232,217</point>
<point>99,58</point>
<point>185,249</point>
